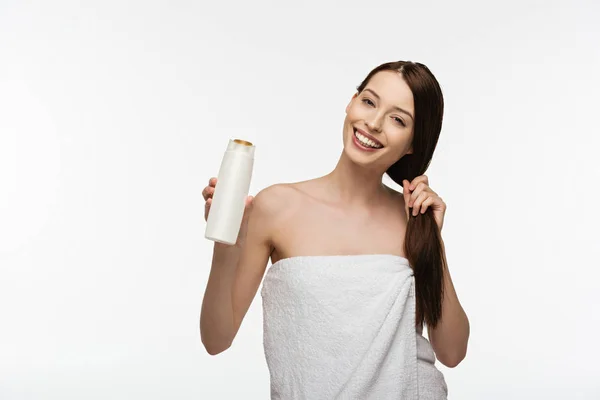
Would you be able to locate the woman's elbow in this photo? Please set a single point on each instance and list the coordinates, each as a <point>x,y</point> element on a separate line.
<point>452,360</point>
<point>213,348</point>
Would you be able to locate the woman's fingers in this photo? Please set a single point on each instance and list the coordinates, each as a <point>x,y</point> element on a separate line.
<point>419,189</point>
<point>207,208</point>
<point>208,192</point>
<point>418,203</point>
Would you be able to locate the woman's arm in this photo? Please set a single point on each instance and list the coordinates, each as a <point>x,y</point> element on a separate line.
<point>236,274</point>
<point>449,338</point>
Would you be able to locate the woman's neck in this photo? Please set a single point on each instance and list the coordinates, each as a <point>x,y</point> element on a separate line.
<point>355,185</point>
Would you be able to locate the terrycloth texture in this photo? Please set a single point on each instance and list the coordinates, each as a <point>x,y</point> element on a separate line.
<point>343,327</point>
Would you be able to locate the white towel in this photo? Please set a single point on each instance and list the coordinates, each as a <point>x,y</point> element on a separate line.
<point>341,327</point>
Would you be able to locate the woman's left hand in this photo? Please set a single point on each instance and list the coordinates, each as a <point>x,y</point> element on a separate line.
<point>419,196</point>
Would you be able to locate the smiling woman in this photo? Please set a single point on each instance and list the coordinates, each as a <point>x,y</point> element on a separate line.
<point>355,275</point>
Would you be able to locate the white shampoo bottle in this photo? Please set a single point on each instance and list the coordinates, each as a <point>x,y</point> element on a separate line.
<point>229,199</point>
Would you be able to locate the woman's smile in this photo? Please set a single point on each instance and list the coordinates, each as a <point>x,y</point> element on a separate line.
<point>364,143</point>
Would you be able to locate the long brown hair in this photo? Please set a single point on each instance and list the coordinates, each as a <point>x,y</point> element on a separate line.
<point>423,241</point>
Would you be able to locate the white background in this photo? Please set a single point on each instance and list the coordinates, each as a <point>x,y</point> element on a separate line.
<point>114,115</point>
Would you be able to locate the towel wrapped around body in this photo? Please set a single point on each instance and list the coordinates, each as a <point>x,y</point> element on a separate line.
<point>343,327</point>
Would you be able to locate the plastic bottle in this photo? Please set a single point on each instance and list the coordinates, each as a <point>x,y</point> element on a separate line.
<point>229,199</point>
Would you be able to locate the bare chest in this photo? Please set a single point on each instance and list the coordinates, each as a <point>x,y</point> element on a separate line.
<point>314,229</point>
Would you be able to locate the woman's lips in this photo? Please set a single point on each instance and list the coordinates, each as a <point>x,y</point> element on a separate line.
<point>365,134</point>
<point>361,146</point>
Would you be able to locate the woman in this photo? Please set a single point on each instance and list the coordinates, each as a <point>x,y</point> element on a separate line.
<point>338,290</point>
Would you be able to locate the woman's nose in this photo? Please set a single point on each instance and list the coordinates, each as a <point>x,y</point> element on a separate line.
<point>374,123</point>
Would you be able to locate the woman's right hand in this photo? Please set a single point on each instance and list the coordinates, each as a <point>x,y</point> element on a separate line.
<point>208,193</point>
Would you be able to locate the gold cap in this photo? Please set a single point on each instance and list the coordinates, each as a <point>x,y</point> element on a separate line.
<point>240,141</point>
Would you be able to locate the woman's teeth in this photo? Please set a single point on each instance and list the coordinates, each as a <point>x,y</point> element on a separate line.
<point>366,142</point>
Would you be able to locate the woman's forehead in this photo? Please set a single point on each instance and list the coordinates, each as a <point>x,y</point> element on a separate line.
<point>392,89</point>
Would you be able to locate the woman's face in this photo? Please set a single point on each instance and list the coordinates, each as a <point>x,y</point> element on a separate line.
<point>384,110</point>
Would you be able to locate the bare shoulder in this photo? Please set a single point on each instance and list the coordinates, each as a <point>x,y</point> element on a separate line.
<point>275,201</point>
<point>274,197</point>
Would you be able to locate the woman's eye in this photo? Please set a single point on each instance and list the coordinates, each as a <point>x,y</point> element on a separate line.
<point>399,121</point>
<point>367,101</point>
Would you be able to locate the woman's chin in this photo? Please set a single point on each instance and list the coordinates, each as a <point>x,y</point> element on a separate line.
<point>358,157</point>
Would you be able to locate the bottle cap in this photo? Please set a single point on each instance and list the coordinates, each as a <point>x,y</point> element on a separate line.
<point>241,146</point>
<point>240,141</point>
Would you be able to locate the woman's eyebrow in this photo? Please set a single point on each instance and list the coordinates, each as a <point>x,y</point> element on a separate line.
<point>395,107</point>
